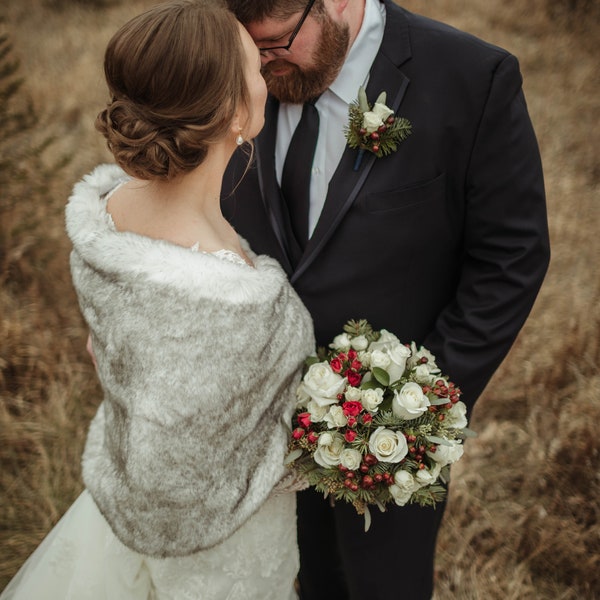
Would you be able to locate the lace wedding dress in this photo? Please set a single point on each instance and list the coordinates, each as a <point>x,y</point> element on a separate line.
<point>81,559</point>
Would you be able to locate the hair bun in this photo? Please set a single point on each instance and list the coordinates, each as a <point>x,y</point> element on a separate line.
<point>146,145</point>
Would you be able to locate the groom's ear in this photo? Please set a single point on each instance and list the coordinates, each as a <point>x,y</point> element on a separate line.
<point>338,6</point>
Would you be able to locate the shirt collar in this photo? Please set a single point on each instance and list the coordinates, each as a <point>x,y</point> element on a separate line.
<point>357,65</point>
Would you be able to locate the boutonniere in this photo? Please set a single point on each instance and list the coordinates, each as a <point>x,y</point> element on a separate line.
<point>374,128</point>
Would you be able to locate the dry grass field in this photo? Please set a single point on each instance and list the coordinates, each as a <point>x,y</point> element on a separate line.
<point>523,518</point>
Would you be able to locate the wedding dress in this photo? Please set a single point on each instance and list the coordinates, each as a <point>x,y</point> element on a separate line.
<point>81,559</point>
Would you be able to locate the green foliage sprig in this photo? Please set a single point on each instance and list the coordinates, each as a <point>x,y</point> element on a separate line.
<point>375,128</point>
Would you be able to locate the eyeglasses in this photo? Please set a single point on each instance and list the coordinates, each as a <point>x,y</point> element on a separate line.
<point>294,32</point>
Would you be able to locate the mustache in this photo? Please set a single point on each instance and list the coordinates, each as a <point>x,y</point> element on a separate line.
<point>276,64</point>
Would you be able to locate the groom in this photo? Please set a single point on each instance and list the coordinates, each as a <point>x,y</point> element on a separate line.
<point>443,241</point>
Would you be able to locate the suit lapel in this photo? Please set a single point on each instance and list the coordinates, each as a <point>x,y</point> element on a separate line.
<point>265,163</point>
<point>347,183</point>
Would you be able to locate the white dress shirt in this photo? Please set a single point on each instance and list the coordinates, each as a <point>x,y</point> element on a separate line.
<point>333,110</point>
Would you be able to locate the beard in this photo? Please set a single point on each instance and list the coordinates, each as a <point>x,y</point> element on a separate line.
<point>300,85</point>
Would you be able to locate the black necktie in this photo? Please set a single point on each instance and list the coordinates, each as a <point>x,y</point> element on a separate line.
<point>295,178</point>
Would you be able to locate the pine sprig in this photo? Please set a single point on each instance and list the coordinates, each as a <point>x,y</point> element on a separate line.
<point>387,135</point>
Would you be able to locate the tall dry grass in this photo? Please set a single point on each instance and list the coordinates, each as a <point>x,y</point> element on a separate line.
<point>523,516</point>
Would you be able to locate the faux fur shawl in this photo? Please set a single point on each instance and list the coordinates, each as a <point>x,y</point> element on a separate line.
<point>199,360</point>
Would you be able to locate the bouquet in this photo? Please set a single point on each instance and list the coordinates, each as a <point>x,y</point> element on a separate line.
<point>376,422</point>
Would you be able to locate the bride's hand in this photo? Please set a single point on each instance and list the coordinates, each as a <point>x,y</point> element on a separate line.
<point>90,350</point>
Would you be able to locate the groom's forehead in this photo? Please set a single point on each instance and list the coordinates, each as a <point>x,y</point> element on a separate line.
<point>270,28</point>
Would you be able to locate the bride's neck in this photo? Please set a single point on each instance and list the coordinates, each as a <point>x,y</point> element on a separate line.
<point>185,210</point>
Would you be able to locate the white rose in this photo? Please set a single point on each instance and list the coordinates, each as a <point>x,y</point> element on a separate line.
<point>418,354</point>
<point>386,340</point>
<point>400,496</point>
<point>382,111</point>
<point>424,376</point>
<point>446,455</point>
<point>335,417</point>
<point>387,445</point>
<point>409,402</point>
<point>457,416</point>
<point>365,358</point>
<point>302,396</point>
<point>352,393</point>
<point>350,459</point>
<point>329,449</point>
<point>371,399</point>
<point>341,342</point>
<point>403,487</point>
<point>380,359</point>
<point>428,476</point>
<point>317,412</point>
<point>322,384</point>
<point>371,121</point>
<point>360,342</point>
<point>398,355</point>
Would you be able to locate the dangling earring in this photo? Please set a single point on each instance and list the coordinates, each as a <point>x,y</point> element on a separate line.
<point>239,140</point>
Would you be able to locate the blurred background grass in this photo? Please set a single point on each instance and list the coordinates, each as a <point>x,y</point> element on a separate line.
<point>522,521</point>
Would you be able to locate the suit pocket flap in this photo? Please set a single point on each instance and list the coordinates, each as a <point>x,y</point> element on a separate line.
<point>406,196</point>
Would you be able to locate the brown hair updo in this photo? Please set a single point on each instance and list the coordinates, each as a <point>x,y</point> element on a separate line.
<point>176,77</point>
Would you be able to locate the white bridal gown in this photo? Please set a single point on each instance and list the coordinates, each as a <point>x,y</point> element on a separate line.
<point>81,559</point>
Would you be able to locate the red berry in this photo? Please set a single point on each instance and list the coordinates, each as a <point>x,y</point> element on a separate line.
<point>374,136</point>
<point>389,120</point>
<point>364,468</point>
<point>348,482</point>
<point>370,459</point>
<point>354,487</point>
<point>378,477</point>
<point>375,148</point>
<point>350,475</point>
<point>367,481</point>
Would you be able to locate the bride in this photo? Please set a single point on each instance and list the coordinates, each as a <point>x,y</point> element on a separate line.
<point>199,342</point>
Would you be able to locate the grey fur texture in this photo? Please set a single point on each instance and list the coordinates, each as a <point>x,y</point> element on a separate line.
<point>199,360</point>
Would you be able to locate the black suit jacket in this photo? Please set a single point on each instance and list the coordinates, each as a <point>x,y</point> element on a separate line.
<point>445,241</point>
